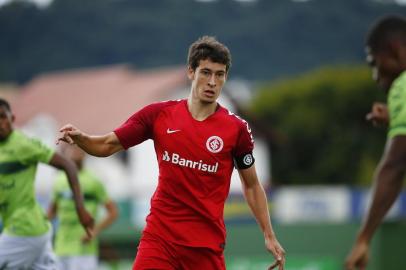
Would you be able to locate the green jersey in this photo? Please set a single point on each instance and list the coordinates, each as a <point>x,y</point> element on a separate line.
<point>70,231</point>
<point>20,212</point>
<point>397,107</point>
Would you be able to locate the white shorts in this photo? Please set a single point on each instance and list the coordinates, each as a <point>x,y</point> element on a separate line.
<point>22,252</point>
<point>88,262</point>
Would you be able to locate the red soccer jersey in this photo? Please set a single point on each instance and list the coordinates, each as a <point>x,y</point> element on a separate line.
<point>196,159</point>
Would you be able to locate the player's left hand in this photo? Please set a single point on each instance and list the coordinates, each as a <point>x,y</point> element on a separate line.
<point>86,238</point>
<point>273,246</point>
<point>86,220</point>
<point>358,257</point>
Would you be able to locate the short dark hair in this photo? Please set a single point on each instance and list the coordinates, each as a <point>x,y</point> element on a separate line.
<point>207,47</point>
<point>384,30</point>
<point>4,103</point>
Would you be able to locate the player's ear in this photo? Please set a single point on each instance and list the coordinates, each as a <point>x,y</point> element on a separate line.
<point>190,73</point>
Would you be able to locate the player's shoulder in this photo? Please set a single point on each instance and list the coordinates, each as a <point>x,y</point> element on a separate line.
<point>233,118</point>
<point>163,104</point>
<point>401,80</point>
<point>24,141</point>
<point>240,125</point>
<point>397,94</point>
<point>18,135</point>
<point>150,112</point>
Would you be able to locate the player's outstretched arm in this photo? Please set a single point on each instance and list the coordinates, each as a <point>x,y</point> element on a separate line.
<point>388,180</point>
<point>60,162</point>
<point>99,146</point>
<point>257,201</point>
<point>111,216</point>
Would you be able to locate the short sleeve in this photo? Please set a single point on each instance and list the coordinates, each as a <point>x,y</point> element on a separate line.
<point>34,151</point>
<point>245,141</point>
<point>397,107</point>
<point>139,127</point>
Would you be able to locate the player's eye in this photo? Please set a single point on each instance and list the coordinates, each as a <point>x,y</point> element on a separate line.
<point>220,75</point>
<point>205,72</point>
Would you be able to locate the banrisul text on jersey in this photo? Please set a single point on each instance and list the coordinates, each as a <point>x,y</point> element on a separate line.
<point>176,159</point>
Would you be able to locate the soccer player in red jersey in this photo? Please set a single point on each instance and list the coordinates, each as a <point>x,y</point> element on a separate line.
<point>197,142</point>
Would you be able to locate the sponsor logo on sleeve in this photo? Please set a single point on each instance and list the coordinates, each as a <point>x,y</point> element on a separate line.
<point>248,159</point>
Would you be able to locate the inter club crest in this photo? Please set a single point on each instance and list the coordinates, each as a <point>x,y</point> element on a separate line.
<point>214,144</point>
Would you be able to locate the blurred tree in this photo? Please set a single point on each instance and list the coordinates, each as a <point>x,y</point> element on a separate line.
<point>323,137</point>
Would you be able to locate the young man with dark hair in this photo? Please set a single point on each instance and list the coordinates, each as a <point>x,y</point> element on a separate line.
<point>25,240</point>
<point>197,142</point>
<point>386,54</point>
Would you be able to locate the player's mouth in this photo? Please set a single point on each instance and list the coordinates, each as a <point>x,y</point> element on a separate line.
<point>209,93</point>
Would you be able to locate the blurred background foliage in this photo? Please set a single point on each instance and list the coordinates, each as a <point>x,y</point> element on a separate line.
<point>319,120</point>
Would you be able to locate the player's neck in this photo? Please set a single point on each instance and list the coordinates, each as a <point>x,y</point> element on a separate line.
<point>199,110</point>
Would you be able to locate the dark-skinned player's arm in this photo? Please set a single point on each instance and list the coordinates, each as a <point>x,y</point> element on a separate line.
<point>110,217</point>
<point>52,210</point>
<point>62,163</point>
<point>99,146</point>
<point>388,179</point>
<point>256,198</point>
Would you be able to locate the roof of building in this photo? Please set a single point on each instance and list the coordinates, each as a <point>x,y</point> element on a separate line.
<point>96,100</point>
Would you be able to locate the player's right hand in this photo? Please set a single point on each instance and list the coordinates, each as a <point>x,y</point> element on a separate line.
<point>69,134</point>
<point>379,115</point>
<point>357,259</point>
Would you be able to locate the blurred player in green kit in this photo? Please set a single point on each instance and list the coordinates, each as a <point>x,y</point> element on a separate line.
<point>386,54</point>
<point>75,249</point>
<point>25,240</point>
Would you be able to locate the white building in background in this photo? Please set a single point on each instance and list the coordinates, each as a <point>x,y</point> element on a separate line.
<point>99,100</point>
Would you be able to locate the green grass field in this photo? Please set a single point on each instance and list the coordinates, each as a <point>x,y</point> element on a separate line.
<point>308,247</point>
<point>256,263</point>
